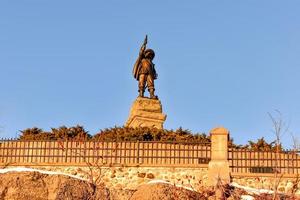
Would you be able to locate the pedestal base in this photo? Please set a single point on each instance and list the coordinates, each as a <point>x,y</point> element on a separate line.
<point>146,112</point>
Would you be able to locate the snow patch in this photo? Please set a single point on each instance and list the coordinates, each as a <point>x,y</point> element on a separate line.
<point>23,169</point>
<point>252,190</point>
<point>247,197</point>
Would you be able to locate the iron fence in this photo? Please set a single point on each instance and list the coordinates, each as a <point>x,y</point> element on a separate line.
<point>16,152</point>
<point>142,153</point>
<point>249,161</point>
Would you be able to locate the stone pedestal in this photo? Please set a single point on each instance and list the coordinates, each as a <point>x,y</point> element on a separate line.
<point>218,167</point>
<point>146,112</point>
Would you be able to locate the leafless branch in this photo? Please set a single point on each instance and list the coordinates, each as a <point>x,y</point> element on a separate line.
<point>279,128</point>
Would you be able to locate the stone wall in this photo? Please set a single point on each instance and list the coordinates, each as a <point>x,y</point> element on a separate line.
<point>268,181</point>
<point>132,177</point>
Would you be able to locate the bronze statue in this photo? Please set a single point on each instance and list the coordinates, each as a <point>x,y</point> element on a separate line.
<point>144,71</point>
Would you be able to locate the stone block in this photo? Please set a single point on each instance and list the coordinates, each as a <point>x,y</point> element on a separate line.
<point>218,170</point>
<point>150,175</point>
<point>141,175</point>
<point>146,112</point>
<point>219,143</point>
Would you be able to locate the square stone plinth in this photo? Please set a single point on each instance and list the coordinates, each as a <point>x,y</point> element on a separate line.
<point>146,112</point>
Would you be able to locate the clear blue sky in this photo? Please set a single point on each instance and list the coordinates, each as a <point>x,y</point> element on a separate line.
<point>223,63</point>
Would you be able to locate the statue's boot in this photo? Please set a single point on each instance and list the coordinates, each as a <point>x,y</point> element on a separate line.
<point>141,93</point>
<point>152,96</point>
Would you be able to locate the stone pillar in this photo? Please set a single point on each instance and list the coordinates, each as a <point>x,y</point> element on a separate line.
<point>218,167</point>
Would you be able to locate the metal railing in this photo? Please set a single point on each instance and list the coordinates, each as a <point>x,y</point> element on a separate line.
<point>142,153</point>
<point>249,161</point>
<point>16,152</point>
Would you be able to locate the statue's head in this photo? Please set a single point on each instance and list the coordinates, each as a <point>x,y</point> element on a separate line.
<point>149,53</point>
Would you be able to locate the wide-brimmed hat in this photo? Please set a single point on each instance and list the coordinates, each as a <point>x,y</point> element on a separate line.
<point>149,51</point>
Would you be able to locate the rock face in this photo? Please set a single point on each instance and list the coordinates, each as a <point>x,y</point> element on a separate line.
<point>164,192</point>
<point>38,186</point>
<point>146,112</point>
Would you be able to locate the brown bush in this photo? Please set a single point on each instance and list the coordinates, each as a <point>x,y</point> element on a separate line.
<point>114,134</point>
<point>149,134</point>
<point>63,132</point>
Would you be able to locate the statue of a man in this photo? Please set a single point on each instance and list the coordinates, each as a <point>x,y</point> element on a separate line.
<point>144,71</point>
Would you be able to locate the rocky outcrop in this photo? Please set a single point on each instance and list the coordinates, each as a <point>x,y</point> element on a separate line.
<point>33,184</point>
<point>162,191</point>
<point>38,186</point>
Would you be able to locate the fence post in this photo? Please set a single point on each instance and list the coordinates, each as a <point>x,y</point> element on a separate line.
<point>218,167</point>
<point>138,153</point>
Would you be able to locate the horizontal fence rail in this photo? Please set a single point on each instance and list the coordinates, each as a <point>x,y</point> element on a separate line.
<point>248,161</point>
<point>15,152</point>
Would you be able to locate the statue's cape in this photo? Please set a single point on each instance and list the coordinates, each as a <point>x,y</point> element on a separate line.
<point>136,68</point>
